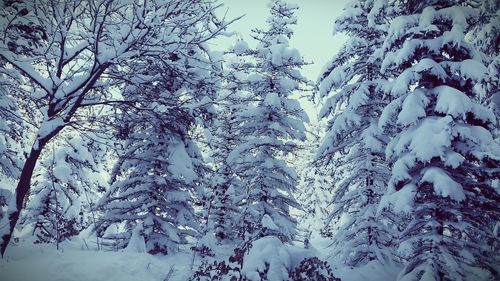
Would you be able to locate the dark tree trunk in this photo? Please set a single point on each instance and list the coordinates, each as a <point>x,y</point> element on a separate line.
<point>22,190</point>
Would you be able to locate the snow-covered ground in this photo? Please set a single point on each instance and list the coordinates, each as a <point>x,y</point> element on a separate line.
<point>373,271</point>
<point>26,261</point>
<point>30,262</point>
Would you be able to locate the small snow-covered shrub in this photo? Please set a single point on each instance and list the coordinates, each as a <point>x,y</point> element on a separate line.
<point>254,260</point>
<point>217,271</point>
<point>263,259</point>
<point>203,250</point>
<point>205,246</point>
<point>66,228</point>
<point>312,269</point>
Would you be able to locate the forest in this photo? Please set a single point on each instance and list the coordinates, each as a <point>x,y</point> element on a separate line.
<point>131,149</point>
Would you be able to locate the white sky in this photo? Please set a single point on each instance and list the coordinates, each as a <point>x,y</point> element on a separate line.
<point>312,34</point>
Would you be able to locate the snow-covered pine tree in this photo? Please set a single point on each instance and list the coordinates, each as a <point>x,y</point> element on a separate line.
<point>486,31</point>
<point>11,126</point>
<point>157,175</point>
<point>270,127</point>
<point>443,155</point>
<point>353,147</point>
<point>486,36</point>
<point>314,191</point>
<point>225,191</point>
<point>153,178</point>
<point>220,210</point>
<point>65,190</point>
<point>12,134</point>
<point>13,119</point>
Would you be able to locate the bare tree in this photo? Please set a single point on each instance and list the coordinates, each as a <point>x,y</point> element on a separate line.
<point>78,54</point>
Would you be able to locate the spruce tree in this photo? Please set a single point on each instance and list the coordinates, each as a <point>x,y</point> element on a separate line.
<point>314,191</point>
<point>225,187</point>
<point>13,133</point>
<point>443,154</point>
<point>66,188</point>
<point>11,126</point>
<point>353,147</point>
<point>270,127</point>
<point>158,177</point>
<point>486,37</point>
<point>155,177</point>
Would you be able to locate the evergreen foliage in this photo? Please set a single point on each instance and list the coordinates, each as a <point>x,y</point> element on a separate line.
<point>155,180</point>
<point>353,147</point>
<point>443,155</point>
<point>270,127</point>
<point>66,190</point>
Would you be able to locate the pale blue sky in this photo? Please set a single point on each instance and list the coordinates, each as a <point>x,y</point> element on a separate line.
<point>312,35</point>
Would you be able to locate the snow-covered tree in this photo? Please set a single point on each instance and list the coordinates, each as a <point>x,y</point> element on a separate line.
<point>225,188</point>
<point>486,36</point>
<point>13,133</point>
<point>443,154</point>
<point>65,190</point>
<point>353,147</point>
<point>159,168</point>
<point>486,30</point>
<point>11,126</point>
<point>152,182</point>
<point>77,54</point>
<point>314,191</point>
<point>269,128</point>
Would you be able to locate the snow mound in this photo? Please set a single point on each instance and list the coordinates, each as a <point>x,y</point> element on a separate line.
<point>373,271</point>
<point>268,250</point>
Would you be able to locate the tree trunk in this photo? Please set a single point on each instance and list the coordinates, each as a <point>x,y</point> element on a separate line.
<point>22,190</point>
